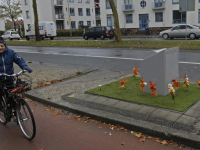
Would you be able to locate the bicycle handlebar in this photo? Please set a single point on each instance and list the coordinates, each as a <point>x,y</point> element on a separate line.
<point>13,75</point>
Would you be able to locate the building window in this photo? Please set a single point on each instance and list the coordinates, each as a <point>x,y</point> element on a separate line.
<point>79,1</point>
<point>25,2</point>
<point>179,17</point>
<point>89,23</point>
<point>87,11</point>
<point>73,25</point>
<point>71,1</point>
<point>87,1</point>
<point>143,4</point>
<point>81,23</point>
<point>80,11</point>
<point>110,20</point>
<point>129,18</point>
<point>159,17</point>
<point>72,13</point>
<point>108,4</point>
<point>175,1</point>
<point>199,16</point>
<point>27,15</point>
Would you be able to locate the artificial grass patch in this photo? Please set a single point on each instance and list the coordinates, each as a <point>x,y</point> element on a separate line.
<point>184,97</point>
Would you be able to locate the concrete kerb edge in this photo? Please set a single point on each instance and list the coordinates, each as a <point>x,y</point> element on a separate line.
<point>185,138</point>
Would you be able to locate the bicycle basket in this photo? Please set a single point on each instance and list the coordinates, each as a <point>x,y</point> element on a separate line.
<point>24,81</point>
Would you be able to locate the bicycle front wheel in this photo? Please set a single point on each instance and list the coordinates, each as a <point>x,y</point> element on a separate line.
<point>3,111</point>
<point>25,119</point>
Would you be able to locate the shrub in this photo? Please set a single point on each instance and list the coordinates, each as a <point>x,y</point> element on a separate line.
<point>67,32</point>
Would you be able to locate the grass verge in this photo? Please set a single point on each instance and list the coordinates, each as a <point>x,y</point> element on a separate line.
<point>184,97</point>
<point>139,44</point>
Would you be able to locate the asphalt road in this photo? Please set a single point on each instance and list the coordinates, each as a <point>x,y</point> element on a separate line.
<point>115,59</point>
<point>57,130</point>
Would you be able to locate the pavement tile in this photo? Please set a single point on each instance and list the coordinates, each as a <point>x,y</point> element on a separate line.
<point>110,102</point>
<point>196,106</point>
<point>160,113</point>
<point>146,110</point>
<point>172,116</point>
<point>91,98</point>
<point>193,113</point>
<point>100,99</point>
<point>121,104</point>
<point>186,120</point>
<point>80,96</point>
<point>133,107</point>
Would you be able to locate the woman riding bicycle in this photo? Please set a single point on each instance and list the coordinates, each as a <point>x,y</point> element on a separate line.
<point>7,57</point>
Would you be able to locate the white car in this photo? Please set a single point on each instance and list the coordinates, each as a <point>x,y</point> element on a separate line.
<point>180,31</point>
<point>10,35</point>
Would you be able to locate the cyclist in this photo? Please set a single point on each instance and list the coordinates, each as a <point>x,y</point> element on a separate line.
<point>7,58</point>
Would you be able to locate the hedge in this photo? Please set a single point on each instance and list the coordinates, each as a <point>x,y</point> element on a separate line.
<point>67,32</point>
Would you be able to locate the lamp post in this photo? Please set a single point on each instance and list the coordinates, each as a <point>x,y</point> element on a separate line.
<point>69,19</point>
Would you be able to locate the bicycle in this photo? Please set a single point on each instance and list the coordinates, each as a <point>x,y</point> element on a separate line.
<point>14,105</point>
<point>125,31</point>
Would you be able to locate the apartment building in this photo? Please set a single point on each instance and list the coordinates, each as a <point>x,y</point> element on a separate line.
<point>64,13</point>
<point>139,14</point>
<point>2,24</point>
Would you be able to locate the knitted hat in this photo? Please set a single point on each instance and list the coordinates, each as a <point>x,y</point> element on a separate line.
<point>2,41</point>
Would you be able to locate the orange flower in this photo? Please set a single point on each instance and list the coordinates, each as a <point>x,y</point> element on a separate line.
<point>198,82</point>
<point>153,88</point>
<point>186,81</point>
<point>123,83</point>
<point>135,70</point>
<point>176,83</point>
<point>142,84</point>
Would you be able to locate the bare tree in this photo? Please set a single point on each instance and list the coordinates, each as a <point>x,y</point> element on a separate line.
<point>118,36</point>
<point>37,32</point>
<point>10,9</point>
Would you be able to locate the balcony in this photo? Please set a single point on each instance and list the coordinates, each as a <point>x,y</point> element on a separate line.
<point>58,2</point>
<point>129,7</point>
<point>158,5</point>
<point>59,16</point>
<point>97,17</point>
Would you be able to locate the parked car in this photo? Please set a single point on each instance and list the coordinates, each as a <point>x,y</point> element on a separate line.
<point>11,35</point>
<point>180,31</point>
<point>99,32</point>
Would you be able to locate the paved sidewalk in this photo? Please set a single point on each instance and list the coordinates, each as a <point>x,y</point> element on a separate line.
<point>183,127</point>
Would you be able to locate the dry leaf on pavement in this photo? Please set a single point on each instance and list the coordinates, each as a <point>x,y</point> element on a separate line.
<point>138,134</point>
<point>140,139</point>
<point>123,143</point>
<point>164,142</point>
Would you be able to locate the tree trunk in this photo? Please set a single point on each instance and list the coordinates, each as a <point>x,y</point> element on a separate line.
<point>37,33</point>
<point>118,37</point>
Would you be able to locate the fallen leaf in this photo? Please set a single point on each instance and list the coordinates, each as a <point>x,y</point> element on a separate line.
<point>164,142</point>
<point>42,149</point>
<point>195,67</point>
<point>123,143</point>
<point>47,109</point>
<point>132,132</point>
<point>120,72</point>
<point>138,134</point>
<point>100,127</point>
<point>71,95</point>
<point>140,139</point>
<point>56,112</point>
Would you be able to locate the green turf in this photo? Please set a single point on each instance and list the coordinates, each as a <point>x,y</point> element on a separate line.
<point>130,44</point>
<point>184,97</point>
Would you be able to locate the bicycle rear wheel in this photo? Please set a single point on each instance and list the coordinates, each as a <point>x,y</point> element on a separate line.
<point>25,119</point>
<point>3,111</point>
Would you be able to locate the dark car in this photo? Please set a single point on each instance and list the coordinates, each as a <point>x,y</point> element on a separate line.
<point>99,32</point>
